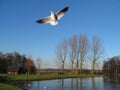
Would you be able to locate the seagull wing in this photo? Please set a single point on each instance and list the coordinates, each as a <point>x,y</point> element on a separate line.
<point>44,20</point>
<point>62,12</point>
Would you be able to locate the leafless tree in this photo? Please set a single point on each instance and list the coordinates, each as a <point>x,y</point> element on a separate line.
<point>29,64</point>
<point>97,51</point>
<point>79,48</point>
<point>72,50</point>
<point>38,64</point>
<point>61,54</point>
<point>76,53</point>
<point>83,47</point>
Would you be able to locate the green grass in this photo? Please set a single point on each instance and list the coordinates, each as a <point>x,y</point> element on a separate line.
<point>34,77</point>
<point>8,87</point>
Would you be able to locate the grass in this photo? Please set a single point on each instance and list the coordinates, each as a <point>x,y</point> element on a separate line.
<point>8,87</point>
<point>34,77</point>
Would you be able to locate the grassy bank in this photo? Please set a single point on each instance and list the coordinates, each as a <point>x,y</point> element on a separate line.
<point>34,77</point>
<point>8,87</point>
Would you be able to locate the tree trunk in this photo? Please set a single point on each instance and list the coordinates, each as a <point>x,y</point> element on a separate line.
<point>81,67</point>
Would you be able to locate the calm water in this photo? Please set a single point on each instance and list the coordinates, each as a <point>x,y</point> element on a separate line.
<point>96,83</point>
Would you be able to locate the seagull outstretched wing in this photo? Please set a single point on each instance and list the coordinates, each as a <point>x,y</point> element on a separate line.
<point>61,13</point>
<point>44,20</point>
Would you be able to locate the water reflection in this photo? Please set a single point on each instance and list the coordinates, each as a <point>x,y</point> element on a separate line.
<point>62,84</point>
<point>96,83</point>
<point>38,85</point>
<point>25,85</point>
<point>93,83</point>
<point>81,84</point>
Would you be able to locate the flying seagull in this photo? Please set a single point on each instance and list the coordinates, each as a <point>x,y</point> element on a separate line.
<point>54,17</point>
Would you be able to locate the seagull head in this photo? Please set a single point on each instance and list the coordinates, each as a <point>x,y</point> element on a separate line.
<point>51,12</point>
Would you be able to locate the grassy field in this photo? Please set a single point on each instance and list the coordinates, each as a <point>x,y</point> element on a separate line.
<point>8,87</point>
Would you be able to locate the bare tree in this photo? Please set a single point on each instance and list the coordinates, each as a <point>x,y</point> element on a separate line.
<point>75,56</point>
<point>29,65</point>
<point>38,64</point>
<point>72,50</point>
<point>97,52</point>
<point>61,54</point>
<point>78,50</point>
<point>83,47</point>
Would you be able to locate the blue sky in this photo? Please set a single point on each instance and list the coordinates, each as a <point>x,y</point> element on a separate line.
<point>19,32</point>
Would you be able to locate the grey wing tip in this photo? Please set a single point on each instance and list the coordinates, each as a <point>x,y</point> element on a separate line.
<point>40,21</point>
<point>66,8</point>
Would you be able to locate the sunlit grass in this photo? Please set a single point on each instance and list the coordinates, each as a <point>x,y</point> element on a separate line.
<point>46,76</point>
<point>8,87</point>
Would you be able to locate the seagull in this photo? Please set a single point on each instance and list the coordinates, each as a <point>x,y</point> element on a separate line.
<point>54,17</point>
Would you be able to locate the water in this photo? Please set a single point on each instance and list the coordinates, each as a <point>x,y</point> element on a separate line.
<point>96,83</point>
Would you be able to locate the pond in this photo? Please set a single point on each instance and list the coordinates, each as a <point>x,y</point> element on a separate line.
<point>96,83</point>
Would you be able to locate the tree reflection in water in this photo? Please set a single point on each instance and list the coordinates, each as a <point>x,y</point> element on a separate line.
<point>93,83</point>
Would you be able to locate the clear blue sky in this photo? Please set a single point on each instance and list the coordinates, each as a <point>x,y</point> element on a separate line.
<point>19,32</point>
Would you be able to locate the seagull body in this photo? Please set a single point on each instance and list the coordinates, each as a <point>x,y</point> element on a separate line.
<point>53,18</point>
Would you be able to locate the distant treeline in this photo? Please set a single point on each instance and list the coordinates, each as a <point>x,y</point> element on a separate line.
<point>14,61</point>
<point>111,67</point>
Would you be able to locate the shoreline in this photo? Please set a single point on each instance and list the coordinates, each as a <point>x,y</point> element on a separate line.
<point>34,77</point>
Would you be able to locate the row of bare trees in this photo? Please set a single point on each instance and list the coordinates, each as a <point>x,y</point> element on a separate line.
<point>79,50</point>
